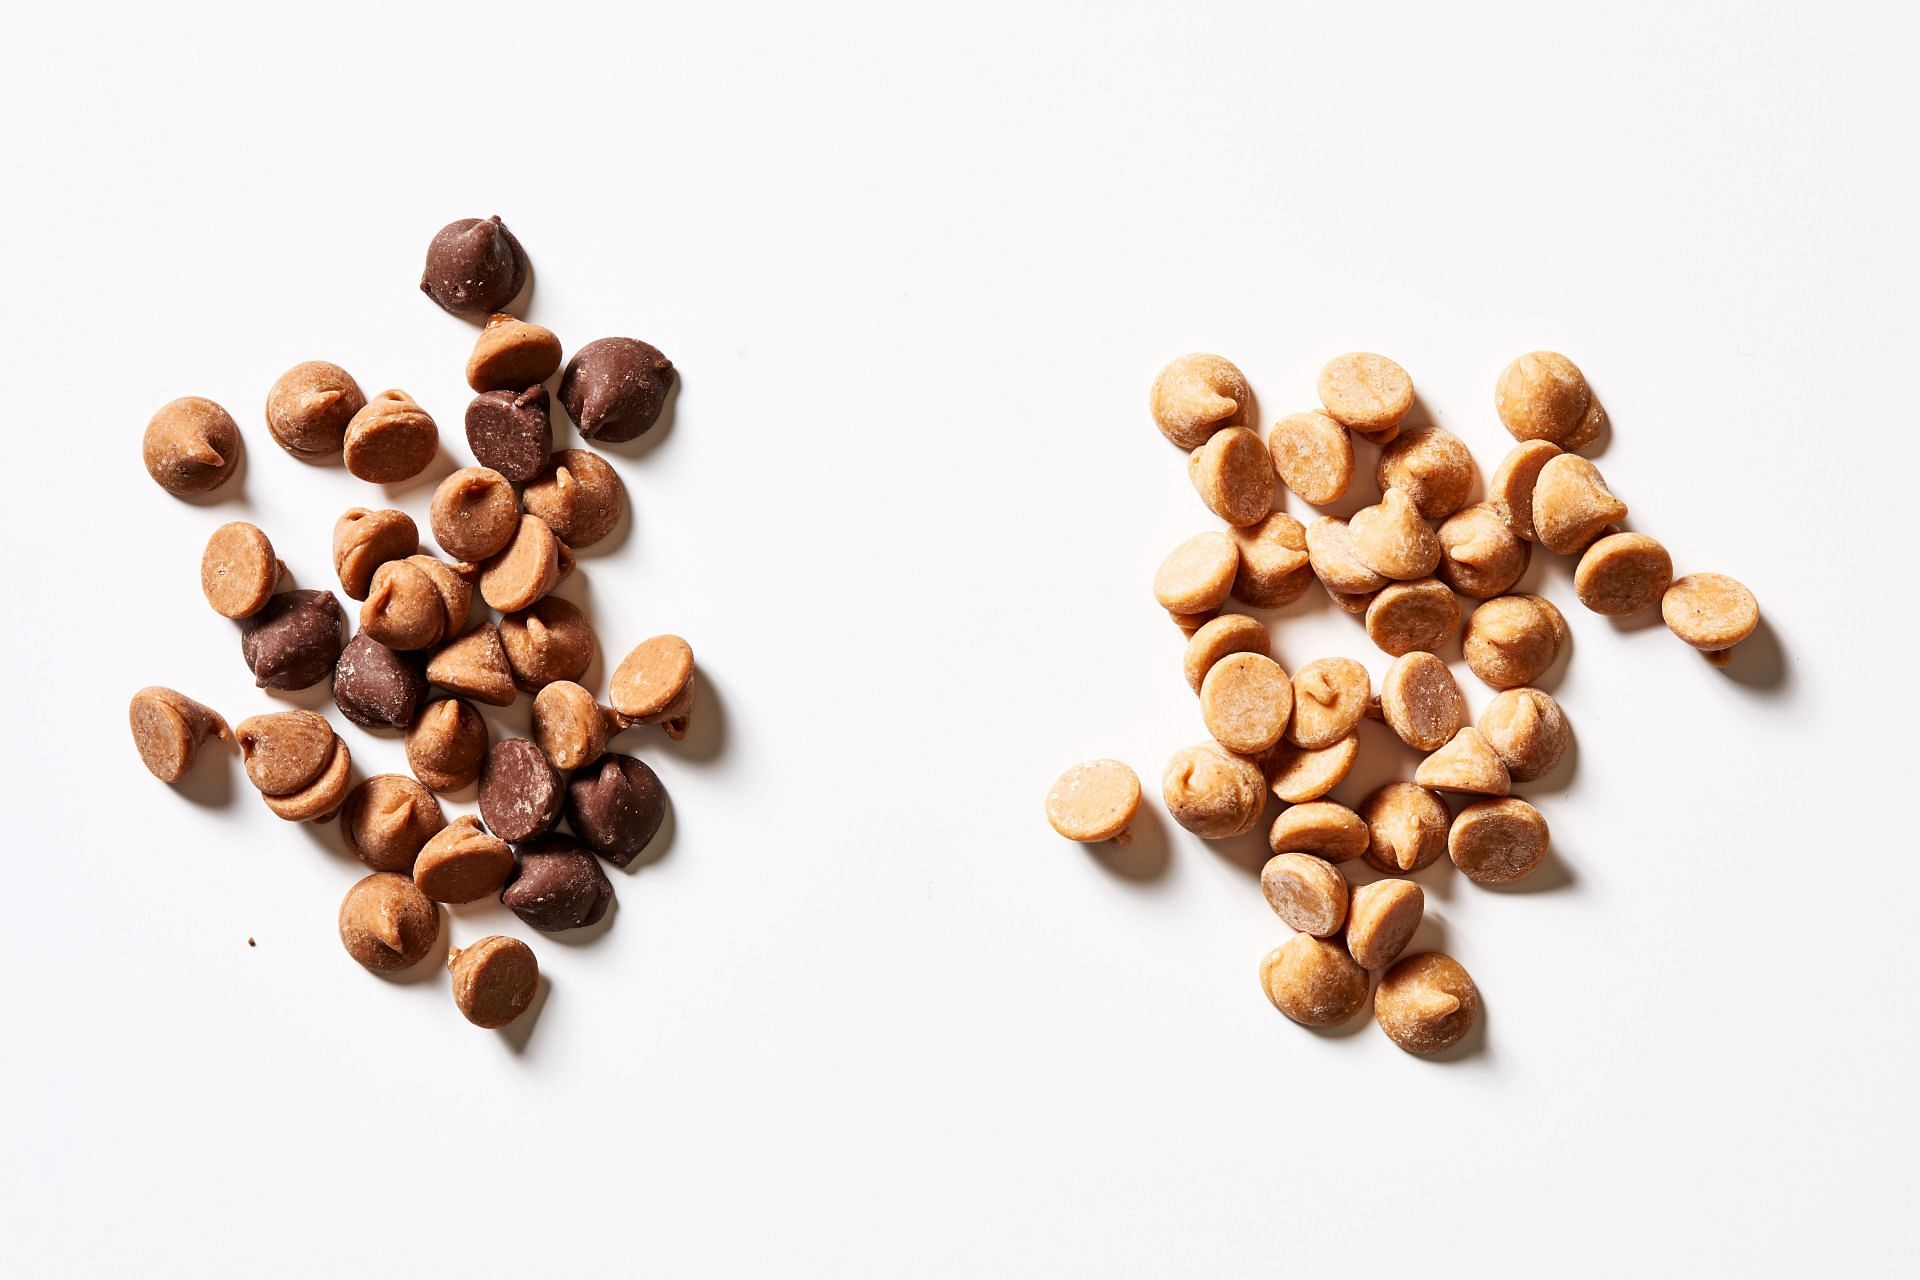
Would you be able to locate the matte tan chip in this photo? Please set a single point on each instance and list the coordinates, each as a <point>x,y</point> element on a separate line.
<point>1212,792</point>
<point>1409,616</point>
<point>1365,391</point>
<point>1527,730</point>
<point>1434,468</point>
<point>1197,395</point>
<point>1320,827</point>
<point>1297,775</point>
<point>1197,575</point>
<point>1246,700</point>
<point>1711,612</point>
<point>1426,1003</point>
<point>1421,702</point>
<point>1392,539</point>
<point>1094,801</point>
<point>1330,696</point>
<point>1274,567</point>
<point>1406,827</point>
<point>1217,637</point>
<point>1623,574</point>
<point>1381,920</point>
<point>1307,893</point>
<point>1313,455</point>
<point>1479,555</point>
<point>1313,981</point>
<point>1497,841</point>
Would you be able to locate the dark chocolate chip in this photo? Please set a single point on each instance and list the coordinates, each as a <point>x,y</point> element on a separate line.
<point>475,267</point>
<point>615,806</point>
<point>558,885</point>
<point>614,388</point>
<point>294,641</point>
<point>520,794</point>
<point>511,431</point>
<point>375,687</point>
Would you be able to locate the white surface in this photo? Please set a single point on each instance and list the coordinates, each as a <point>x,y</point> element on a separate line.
<point>868,1016</point>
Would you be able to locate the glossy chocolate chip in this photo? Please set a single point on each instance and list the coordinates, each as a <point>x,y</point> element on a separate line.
<point>475,267</point>
<point>616,806</point>
<point>520,794</point>
<point>375,687</point>
<point>295,641</point>
<point>614,388</point>
<point>558,885</point>
<point>511,431</point>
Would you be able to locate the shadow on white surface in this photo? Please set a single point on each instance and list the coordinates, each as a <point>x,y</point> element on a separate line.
<point>1144,856</point>
<point>1759,662</point>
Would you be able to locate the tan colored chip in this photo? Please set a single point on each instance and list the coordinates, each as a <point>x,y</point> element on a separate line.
<point>524,570</point>
<point>1512,640</point>
<point>1337,564</point>
<point>320,799</point>
<point>1421,702</point>
<point>363,540</point>
<point>1381,920</point>
<point>1197,575</point>
<point>168,729</point>
<point>1623,574</point>
<point>511,355</point>
<point>463,863</point>
<point>404,608</point>
<point>1094,801</point>
<point>1218,637</point>
<point>1313,981</point>
<point>1197,395</point>
<point>284,751</point>
<point>1392,539</point>
<point>1307,893</point>
<point>570,727</point>
<point>1406,616</point>
<point>446,744</point>
<point>1297,775</point>
<point>474,513</point>
<point>551,641</point>
<point>1434,468</point>
<point>1313,455</point>
<point>238,570</point>
<point>1365,391</point>
<point>1426,1003</point>
<point>1233,474</point>
<point>1329,698</point>
<point>1245,701</point>
<point>1527,730</point>
<point>1274,568</point>
<point>1406,827</point>
<point>1572,504</point>
<point>1465,763</point>
<point>1710,611</point>
<point>475,666</point>
<point>1320,827</point>
<point>1498,841</point>
<point>579,496</point>
<point>1510,489</point>
<point>1212,792</point>
<point>654,684</point>
<point>391,439</point>
<point>1479,555</point>
<point>1544,396</point>
<point>386,820</point>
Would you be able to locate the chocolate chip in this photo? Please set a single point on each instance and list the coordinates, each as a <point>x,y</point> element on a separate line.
<point>558,885</point>
<point>294,641</point>
<point>375,687</point>
<point>475,267</point>
<point>520,794</point>
<point>511,431</point>
<point>616,806</point>
<point>614,388</point>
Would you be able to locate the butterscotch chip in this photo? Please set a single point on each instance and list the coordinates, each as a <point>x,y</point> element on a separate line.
<point>446,745</point>
<point>1245,701</point>
<point>1510,490</point>
<point>1544,396</point>
<point>511,354</point>
<point>1309,894</point>
<point>1094,801</point>
<point>320,799</point>
<point>1421,702</point>
<point>1426,1003</point>
<point>654,684</point>
<point>475,666</point>
<point>1406,616</point>
<point>1465,763</point>
<point>391,439</point>
<point>1381,920</point>
<point>168,729</point>
<point>387,924</point>
<point>570,727</point>
<point>1337,564</point>
<point>1218,637</point>
<point>1497,841</point>
<point>1197,575</point>
<point>1329,698</point>
<point>1297,774</point>
<point>1572,504</point>
<point>238,570</point>
<point>309,407</point>
<point>1393,540</point>
<point>1320,827</point>
<point>284,751</point>
<point>1274,569</point>
<point>404,609</point>
<point>1512,640</point>
<point>579,496</point>
<point>1479,555</point>
<point>1352,604</point>
<point>1406,828</point>
<point>387,819</point>
<point>463,863</point>
<point>550,641</point>
<point>1433,466</point>
<point>494,980</point>
<point>1212,792</point>
<point>1710,611</point>
<point>1366,392</point>
<point>1313,981</point>
<point>1527,730</point>
<point>474,513</point>
<point>524,570</point>
<point>1233,474</point>
<point>1197,395</point>
<point>1623,573</point>
<point>1190,623</point>
<point>1313,456</point>
<point>454,582</point>
<point>363,540</point>
<point>191,445</point>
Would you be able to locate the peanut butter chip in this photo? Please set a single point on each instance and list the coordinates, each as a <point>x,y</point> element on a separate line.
<point>1572,504</point>
<point>1197,575</point>
<point>238,570</point>
<point>1466,763</point>
<point>1313,981</point>
<point>525,570</point>
<point>1406,616</point>
<point>474,513</point>
<point>1512,640</point>
<point>1327,830</point>
<point>320,799</point>
<point>463,863</point>
<point>1406,826</point>
<point>1365,391</point>
<point>1274,570</point>
<point>191,446</point>
<point>1245,701</point>
<point>404,609</point>
<point>570,727</point>
<point>551,641</point>
<point>1710,611</point>
<point>494,980</point>
<point>1094,801</point>
<point>1498,841</point>
<point>1313,455</point>
<point>363,540</point>
<point>1212,792</point>
<point>1434,468</point>
<point>1393,540</point>
<point>1197,395</point>
<point>1544,396</point>
<point>390,439</point>
<point>1479,555</point>
<point>1622,574</point>
<point>1426,1003</point>
<point>168,729</point>
<point>1337,564</point>
<point>1218,637</point>
<point>309,407</point>
<point>1233,473</point>
<point>475,666</point>
<point>446,744</point>
<point>1527,730</point>
<point>1381,920</point>
<point>387,924</point>
<point>1510,490</point>
<point>387,819</point>
<point>1420,701</point>
<point>578,495</point>
<point>1307,893</point>
<point>1298,775</point>
<point>511,354</point>
<point>1329,698</point>
<point>284,751</point>
<point>654,684</point>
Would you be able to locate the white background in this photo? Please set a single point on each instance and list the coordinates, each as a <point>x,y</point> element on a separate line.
<point>867,1015</point>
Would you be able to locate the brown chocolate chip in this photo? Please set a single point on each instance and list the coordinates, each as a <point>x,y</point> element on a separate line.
<point>191,445</point>
<point>550,641</point>
<point>168,728</point>
<point>578,495</point>
<point>654,684</point>
<point>463,863</point>
<point>238,570</point>
<point>475,267</point>
<point>558,886</point>
<point>614,388</point>
<point>284,751</point>
<point>294,641</point>
<point>520,794</point>
<point>388,818</point>
<point>446,744</point>
<point>474,513</point>
<point>363,540</point>
<point>511,431</point>
<point>309,408</point>
<point>375,687</point>
<point>475,666</point>
<point>510,353</point>
<point>616,807</point>
<point>525,570</point>
<point>494,980</point>
<point>386,923</point>
<point>391,439</point>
